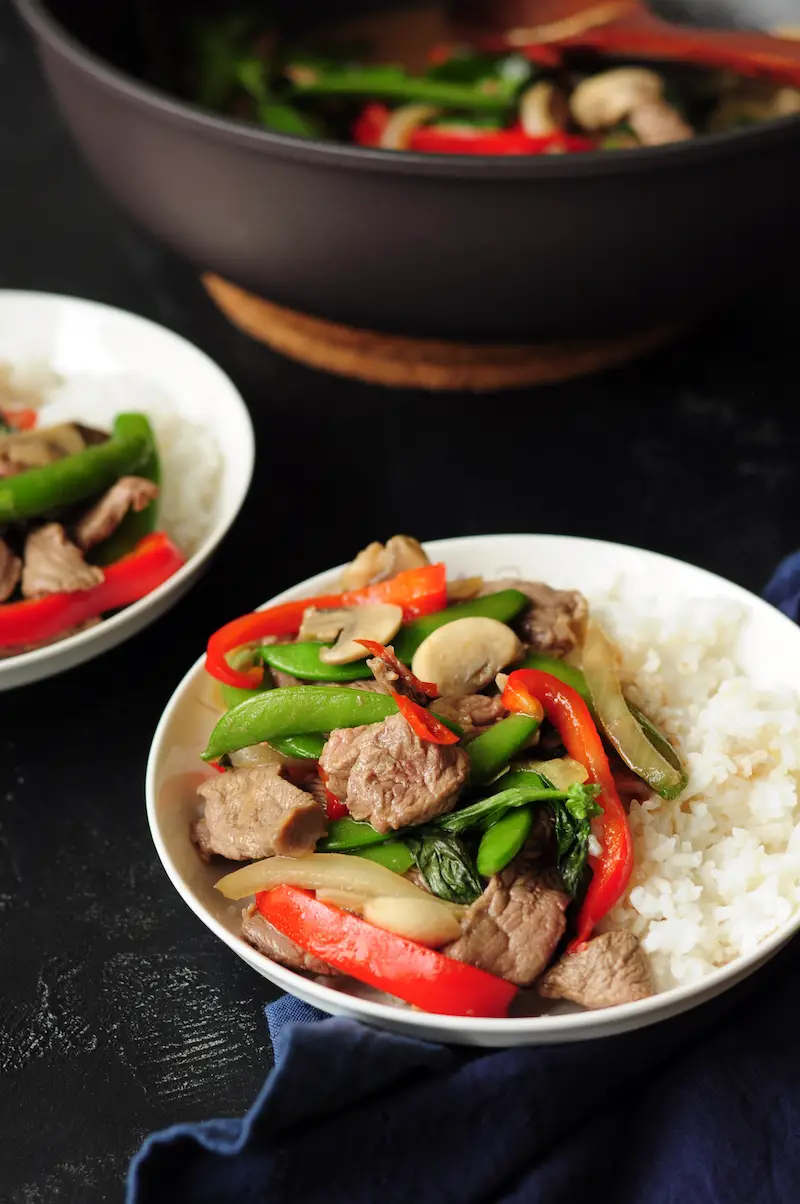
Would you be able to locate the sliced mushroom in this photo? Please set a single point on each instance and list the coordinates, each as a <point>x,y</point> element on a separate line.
<point>347,624</point>
<point>543,109</point>
<point>464,656</point>
<point>632,94</point>
<point>397,132</point>
<point>461,589</point>
<point>377,563</point>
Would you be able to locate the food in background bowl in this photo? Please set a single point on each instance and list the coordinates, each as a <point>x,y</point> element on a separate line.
<point>516,790</point>
<point>556,89</point>
<point>82,528</point>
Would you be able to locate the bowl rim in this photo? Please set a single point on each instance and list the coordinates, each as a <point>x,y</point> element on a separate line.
<point>574,1026</point>
<point>210,543</point>
<point>315,152</point>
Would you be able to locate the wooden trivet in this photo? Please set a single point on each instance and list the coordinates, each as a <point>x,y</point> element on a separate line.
<point>407,363</point>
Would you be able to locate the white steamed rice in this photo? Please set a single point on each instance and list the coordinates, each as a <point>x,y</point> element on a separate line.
<point>718,870</point>
<point>190,459</point>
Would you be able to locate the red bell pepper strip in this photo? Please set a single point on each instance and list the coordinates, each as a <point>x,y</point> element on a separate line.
<point>403,672</point>
<point>444,140</point>
<point>20,419</point>
<point>334,809</point>
<point>391,963</point>
<point>419,591</point>
<point>154,559</point>
<point>569,714</point>
<point>370,124</point>
<point>422,723</point>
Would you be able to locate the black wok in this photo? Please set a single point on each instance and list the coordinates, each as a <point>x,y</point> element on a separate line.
<point>484,249</point>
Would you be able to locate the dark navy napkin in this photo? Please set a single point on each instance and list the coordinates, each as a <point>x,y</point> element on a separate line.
<point>700,1109</point>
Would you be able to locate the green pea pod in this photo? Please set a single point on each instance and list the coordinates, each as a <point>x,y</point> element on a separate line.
<point>491,751</point>
<point>303,660</point>
<point>394,855</point>
<point>503,840</point>
<point>78,477</point>
<point>136,523</point>
<point>504,606</point>
<point>307,747</point>
<point>295,711</point>
<point>347,835</point>
<point>232,695</point>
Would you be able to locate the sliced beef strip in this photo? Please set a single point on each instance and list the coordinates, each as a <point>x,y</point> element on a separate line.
<point>128,493</point>
<point>10,571</point>
<point>514,928</point>
<point>608,970</point>
<point>52,564</point>
<point>340,755</point>
<point>264,937</point>
<point>390,777</point>
<point>553,623</point>
<point>253,813</point>
<point>472,712</point>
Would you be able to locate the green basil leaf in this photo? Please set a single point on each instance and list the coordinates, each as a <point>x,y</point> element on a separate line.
<point>445,864</point>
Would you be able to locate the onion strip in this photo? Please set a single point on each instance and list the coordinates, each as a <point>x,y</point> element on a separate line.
<point>621,726</point>
<point>320,871</point>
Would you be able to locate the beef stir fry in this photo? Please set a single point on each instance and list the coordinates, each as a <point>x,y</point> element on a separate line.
<point>422,777</point>
<point>611,77</point>
<point>78,510</point>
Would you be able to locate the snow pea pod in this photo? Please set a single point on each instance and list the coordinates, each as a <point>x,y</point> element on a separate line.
<point>303,661</point>
<point>503,840</point>
<point>349,835</point>
<point>394,855</point>
<point>78,477</point>
<point>232,695</point>
<point>491,751</point>
<point>295,711</point>
<point>503,606</point>
<point>307,747</point>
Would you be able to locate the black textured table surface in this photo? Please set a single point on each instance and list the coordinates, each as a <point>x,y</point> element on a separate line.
<point>119,1012</point>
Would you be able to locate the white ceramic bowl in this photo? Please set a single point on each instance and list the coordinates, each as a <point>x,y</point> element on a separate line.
<point>134,363</point>
<point>769,650</point>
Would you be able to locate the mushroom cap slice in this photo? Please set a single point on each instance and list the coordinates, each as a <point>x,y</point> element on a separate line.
<point>604,100</point>
<point>543,109</point>
<point>464,656</point>
<point>379,621</point>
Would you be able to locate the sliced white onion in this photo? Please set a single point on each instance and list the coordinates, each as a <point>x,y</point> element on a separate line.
<point>426,921</point>
<point>319,871</point>
<point>402,123</point>
<point>256,754</point>
<point>563,772</point>
<point>348,899</point>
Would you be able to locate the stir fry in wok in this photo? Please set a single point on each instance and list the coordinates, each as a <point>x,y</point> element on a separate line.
<point>428,780</point>
<point>612,77</point>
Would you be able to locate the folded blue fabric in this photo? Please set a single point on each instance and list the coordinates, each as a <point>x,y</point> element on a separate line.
<point>700,1109</point>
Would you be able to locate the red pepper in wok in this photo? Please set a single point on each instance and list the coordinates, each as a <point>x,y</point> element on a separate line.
<point>461,138</point>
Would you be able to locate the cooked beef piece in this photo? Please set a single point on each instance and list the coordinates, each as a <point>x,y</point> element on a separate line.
<point>553,623</point>
<point>656,123</point>
<point>252,813</point>
<point>340,755</point>
<point>513,929</point>
<point>472,712</point>
<point>390,777</point>
<point>52,564</point>
<point>5,653</point>
<point>610,969</point>
<point>366,683</point>
<point>9,467</point>
<point>264,937</point>
<point>10,571</point>
<point>129,493</point>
